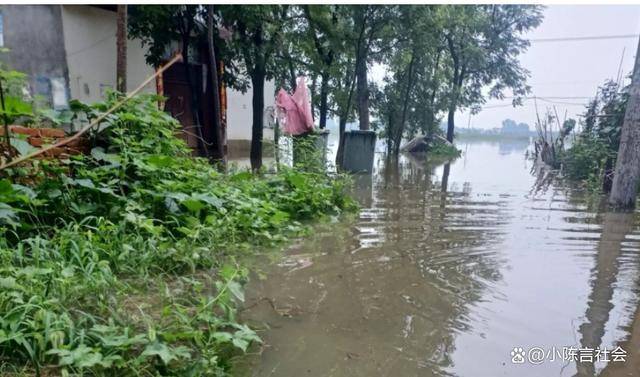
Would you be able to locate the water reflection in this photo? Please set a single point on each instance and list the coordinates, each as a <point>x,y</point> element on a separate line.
<point>614,230</point>
<point>447,268</point>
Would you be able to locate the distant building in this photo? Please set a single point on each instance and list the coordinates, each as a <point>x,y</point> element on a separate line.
<point>69,51</point>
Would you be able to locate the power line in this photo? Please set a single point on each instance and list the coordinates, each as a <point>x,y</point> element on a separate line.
<point>585,38</point>
<point>548,97</point>
<point>545,99</point>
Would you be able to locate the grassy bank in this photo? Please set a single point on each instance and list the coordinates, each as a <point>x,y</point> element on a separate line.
<point>122,262</point>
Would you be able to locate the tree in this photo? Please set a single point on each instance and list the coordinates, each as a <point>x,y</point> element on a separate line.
<point>627,172</point>
<point>256,37</point>
<point>157,26</point>
<point>322,27</point>
<point>213,73</point>
<point>483,44</point>
<point>121,45</point>
<point>343,95</point>
<point>368,21</point>
<point>407,103</point>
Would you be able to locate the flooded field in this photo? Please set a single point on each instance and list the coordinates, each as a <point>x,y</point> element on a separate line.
<point>446,270</point>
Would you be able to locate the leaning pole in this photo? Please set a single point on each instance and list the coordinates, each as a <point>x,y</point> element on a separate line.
<point>627,174</point>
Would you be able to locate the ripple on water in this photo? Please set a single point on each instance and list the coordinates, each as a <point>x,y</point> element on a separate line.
<point>444,275</point>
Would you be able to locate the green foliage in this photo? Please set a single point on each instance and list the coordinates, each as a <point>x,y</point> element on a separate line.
<point>15,103</point>
<point>121,262</point>
<point>443,151</point>
<point>592,154</point>
<point>158,26</point>
<point>445,57</point>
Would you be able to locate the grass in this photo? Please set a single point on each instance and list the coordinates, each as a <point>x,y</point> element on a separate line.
<point>124,262</point>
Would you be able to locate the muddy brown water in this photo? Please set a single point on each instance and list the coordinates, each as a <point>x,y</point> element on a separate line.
<point>446,269</point>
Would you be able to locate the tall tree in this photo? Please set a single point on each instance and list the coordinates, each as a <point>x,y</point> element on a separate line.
<point>213,74</point>
<point>121,47</point>
<point>483,45</point>
<point>627,173</point>
<point>407,102</point>
<point>157,26</point>
<point>322,27</point>
<point>256,38</point>
<point>362,22</point>
<point>343,94</point>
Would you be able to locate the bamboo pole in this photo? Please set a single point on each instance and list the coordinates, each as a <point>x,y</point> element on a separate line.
<point>96,121</point>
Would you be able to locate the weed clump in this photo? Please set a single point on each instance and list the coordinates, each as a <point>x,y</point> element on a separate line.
<point>121,262</point>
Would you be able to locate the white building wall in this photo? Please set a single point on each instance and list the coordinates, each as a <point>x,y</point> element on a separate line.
<point>240,112</point>
<point>90,44</point>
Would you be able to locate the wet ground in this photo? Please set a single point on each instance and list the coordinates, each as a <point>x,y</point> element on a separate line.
<point>448,268</point>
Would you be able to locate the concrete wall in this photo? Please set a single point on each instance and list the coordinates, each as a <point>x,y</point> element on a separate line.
<point>239,113</point>
<point>34,35</point>
<point>90,44</point>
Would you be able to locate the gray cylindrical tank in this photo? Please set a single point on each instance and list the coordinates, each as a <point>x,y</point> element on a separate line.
<point>359,149</point>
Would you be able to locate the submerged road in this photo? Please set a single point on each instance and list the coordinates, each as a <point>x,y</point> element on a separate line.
<point>474,268</point>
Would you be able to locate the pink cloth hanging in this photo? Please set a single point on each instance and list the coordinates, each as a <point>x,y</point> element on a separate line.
<point>294,111</point>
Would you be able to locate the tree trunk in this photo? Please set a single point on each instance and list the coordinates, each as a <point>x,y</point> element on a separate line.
<point>362,88</point>
<point>390,135</point>
<point>341,129</point>
<point>218,152</point>
<point>432,98</point>
<point>324,95</point>
<point>292,74</point>
<point>450,122</point>
<point>405,106</point>
<point>627,174</point>
<point>453,102</point>
<point>350,80</point>
<point>121,46</point>
<point>257,101</point>
<point>312,96</point>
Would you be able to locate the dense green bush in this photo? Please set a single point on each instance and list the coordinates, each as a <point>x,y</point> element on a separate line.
<point>592,153</point>
<point>121,262</point>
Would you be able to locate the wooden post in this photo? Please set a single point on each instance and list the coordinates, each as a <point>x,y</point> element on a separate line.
<point>5,122</point>
<point>121,43</point>
<point>627,174</point>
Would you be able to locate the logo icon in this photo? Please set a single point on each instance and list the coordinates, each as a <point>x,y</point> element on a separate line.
<point>517,355</point>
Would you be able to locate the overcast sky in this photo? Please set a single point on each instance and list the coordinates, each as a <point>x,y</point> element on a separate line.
<point>571,68</point>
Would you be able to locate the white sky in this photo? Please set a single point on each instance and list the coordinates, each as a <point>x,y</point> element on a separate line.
<point>571,68</point>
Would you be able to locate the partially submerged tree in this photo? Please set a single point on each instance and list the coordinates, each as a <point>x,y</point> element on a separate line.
<point>483,45</point>
<point>257,32</point>
<point>411,84</point>
<point>323,26</point>
<point>369,22</point>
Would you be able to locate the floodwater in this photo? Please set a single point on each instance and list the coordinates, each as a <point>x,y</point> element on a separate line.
<point>448,268</point>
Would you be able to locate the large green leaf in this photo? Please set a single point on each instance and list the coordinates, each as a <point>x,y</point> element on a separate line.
<point>15,107</point>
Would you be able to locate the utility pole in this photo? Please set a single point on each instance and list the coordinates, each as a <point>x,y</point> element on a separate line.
<point>121,44</point>
<point>627,174</point>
